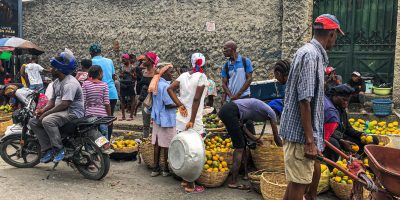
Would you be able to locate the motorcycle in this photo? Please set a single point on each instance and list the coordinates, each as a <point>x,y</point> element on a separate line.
<point>83,142</point>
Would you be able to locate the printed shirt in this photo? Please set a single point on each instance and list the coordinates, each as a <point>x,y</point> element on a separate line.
<point>162,116</point>
<point>96,97</point>
<point>254,110</point>
<point>108,71</point>
<point>69,89</point>
<point>305,82</point>
<point>212,88</point>
<point>33,71</point>
<point>237,75</point>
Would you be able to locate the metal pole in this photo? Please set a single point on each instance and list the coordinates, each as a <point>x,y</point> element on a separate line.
<point>20,33</point>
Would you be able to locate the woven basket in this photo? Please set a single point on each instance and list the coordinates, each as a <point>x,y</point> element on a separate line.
<point>4,125</point>
<point>383,138</point>
<point>212,179</point>
<point>273,185</point>
<point>146,151</point>
<point>228,156</point>
<point>254,178</point>
<point>127,150</point>
<point>343,191</point>
<point>268,156</point>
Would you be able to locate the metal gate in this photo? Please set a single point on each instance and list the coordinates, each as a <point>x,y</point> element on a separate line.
<point>370,36</point>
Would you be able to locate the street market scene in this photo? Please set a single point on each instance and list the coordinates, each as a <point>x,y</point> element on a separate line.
<point>200,99</point>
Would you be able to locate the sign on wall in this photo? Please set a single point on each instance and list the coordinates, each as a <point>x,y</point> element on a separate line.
<point>10,16</point>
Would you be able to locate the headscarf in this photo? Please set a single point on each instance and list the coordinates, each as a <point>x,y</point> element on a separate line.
<point>153,57</point>
<point>10,90</point>
<point>126,56</point>
<point>163,67</point>
<point>95,48</point>
<point>198,61</point>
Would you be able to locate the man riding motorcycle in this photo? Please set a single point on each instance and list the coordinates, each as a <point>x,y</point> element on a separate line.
<point>66,104</point>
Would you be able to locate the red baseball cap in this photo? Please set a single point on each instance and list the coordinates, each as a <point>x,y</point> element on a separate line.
<point>327,22</point>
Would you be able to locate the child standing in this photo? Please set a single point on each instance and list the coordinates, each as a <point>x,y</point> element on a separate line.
<point>95,93</point>
<point>82,75</point>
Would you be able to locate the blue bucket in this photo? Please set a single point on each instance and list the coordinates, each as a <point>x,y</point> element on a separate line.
<point>382,107</point>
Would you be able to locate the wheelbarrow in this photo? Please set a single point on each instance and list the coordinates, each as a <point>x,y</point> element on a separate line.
<point>385,164</point>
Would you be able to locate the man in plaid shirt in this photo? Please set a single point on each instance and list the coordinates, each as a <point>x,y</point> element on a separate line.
<point>303,116</point>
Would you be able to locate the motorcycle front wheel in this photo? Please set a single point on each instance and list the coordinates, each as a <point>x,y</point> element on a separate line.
<point>91,162</point>
<point>14,154</point>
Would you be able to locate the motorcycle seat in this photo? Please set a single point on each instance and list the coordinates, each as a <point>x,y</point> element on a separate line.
<point>69,128</point>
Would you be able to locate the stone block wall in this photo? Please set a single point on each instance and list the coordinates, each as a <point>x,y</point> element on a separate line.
<point>172,28</point>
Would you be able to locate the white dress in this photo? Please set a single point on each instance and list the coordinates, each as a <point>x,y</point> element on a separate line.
<point>188,84</point>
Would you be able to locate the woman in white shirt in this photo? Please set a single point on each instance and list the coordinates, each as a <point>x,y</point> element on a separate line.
<point>192,91</point>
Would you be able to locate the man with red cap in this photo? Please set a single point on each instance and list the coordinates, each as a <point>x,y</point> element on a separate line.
<point>149,64</point>
<point>302,120</point>
<point>331,79</point>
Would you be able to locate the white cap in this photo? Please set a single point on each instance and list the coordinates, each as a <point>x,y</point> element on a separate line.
<point>356,73</point>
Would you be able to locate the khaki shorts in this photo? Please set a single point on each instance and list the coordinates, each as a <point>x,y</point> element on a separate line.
<point>298,169</point>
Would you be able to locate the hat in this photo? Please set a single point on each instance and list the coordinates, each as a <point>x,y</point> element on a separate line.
<point>63,66</point>
<point>329,70</point>
<point>327,22</point>
<point>153,57</point>
<point>343,90</point>
<point>126,56</point>
<point>356,74</point>
<point>95,48</point>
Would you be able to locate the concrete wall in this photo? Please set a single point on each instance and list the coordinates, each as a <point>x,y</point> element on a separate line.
<point>396,79</point>
<point>173,28</point>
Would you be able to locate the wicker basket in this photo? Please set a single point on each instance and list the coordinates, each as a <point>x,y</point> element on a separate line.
<point>228,156</point>
<point>383,138</point>
<point>254,178</point>
<point>343,191</point>
<point>127,150</point>
<point>268,156</point>
<point>273,185</point>
<point>4,125</point>
<point>146,151</point>
<point>212,179</point>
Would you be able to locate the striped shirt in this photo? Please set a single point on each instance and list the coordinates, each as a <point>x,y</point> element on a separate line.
<point>305,82</point>
<point>95,98</point>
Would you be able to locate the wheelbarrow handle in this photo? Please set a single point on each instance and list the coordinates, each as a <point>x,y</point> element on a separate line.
<point>329,145</point>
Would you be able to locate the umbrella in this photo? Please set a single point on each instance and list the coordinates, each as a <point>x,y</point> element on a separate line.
<point>7,44</point>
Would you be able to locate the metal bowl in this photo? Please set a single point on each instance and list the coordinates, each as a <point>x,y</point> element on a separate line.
<point>186,155</point>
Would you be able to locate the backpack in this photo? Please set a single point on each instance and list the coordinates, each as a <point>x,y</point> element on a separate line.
<point>244,59</point>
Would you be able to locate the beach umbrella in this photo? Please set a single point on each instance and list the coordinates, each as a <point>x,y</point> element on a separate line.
<point>19,44</point>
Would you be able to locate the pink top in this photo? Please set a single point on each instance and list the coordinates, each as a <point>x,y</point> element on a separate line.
<point>81,76</point>
<point>95,97</point>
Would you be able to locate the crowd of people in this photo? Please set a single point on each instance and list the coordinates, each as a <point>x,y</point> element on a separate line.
<point>313,110</point>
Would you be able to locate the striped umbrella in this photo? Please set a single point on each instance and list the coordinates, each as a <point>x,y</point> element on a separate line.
<point>14,43</point>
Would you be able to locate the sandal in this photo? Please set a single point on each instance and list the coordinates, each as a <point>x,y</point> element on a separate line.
<point>239,187</point>
<point>130,119</point>
<point>184,184</point>
<point>195,190</point>
<point>121,119</point>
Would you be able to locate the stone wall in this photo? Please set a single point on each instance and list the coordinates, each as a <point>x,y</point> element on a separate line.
<point>396,78</point>
<point>172,28</point>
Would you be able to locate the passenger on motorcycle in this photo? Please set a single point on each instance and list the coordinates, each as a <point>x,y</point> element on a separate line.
<point>65,104</point>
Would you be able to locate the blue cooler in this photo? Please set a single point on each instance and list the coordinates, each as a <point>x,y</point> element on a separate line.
<point>267,90</point>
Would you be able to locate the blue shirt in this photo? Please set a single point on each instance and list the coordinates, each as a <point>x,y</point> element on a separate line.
<point>254,110</point>
<point>237,75</point>
<point>331,113</point>
<point>108,71</point>
<point>305,82</point>
<point>162,116</point>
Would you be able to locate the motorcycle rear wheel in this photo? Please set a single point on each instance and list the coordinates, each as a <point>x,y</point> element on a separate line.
<point>32,147</point>
<point>91,156</point>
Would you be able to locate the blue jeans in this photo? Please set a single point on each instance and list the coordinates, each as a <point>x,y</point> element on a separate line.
<point>36,87</point>
<point>103,128</point>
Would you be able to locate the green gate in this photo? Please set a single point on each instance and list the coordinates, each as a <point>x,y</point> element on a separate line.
<point>370,36</point>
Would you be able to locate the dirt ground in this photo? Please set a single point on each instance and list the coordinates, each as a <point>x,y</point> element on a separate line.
<point>126,180</point>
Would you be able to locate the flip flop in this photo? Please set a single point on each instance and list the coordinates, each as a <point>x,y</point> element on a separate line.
<point>129,119</point>
<point>239,187</point>
<point>184,184</point>
<point>196,189</point>
<point>122,119</point>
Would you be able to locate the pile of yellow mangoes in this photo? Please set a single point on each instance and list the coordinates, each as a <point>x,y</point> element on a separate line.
<point>214,162</point>
<point>218,144</point>
<point>124,144</point>
<point>6,109</point>
<point>340,177</point>
<point>375,127</point>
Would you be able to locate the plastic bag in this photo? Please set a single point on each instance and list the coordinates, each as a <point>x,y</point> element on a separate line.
<point>323,185</point>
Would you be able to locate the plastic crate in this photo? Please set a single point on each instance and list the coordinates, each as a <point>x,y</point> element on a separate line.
<point>382,107</point>
<point>267,90</point>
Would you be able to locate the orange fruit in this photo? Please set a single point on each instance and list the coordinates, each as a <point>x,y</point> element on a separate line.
<point>222,170</point>
<point>209,170</point>
<point>224,164</point>
<point>215,158</point>
<point>209,162</point>
<point>221,159</point>
<point>213,153</point>
<point>215,170</point>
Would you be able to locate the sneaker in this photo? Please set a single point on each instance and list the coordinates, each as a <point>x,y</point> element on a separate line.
<point>47,156</point>
<point>59,156</point>
<point>155,173</point>
<point>165,174</point>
